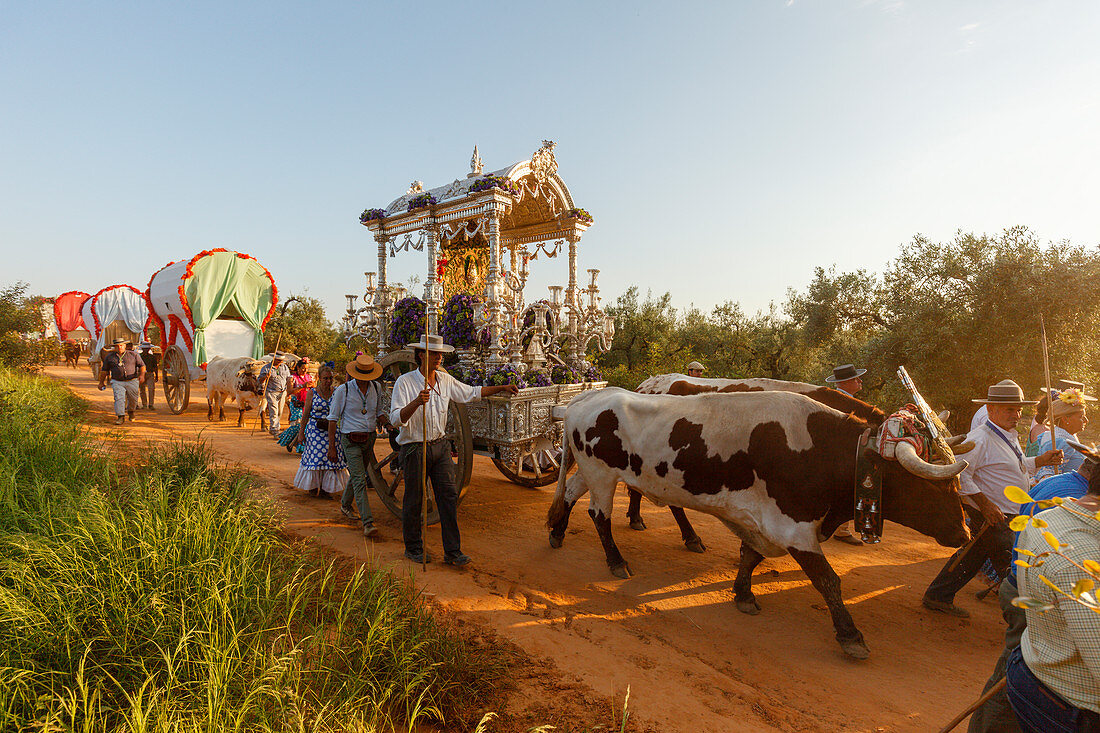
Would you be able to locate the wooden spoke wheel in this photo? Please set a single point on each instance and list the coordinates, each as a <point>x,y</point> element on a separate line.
<point>175,375</point>
<point>531,464</point>
<point>385,470</point>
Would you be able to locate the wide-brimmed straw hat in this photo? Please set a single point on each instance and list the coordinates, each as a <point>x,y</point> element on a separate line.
<point>696,365</point>
<point>432,343</point>
<point>364,367</point>
<point>844,372</point>
<point>118,341</point>
<point>1005,392</point>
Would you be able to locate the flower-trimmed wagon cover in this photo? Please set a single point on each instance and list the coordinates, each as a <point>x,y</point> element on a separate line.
<point>67,312</point>
<point>186,297</point>
<point>115,303</point>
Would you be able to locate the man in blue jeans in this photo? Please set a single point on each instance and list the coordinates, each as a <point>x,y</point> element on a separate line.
<point>1054,675</point>
<point>354,415</point>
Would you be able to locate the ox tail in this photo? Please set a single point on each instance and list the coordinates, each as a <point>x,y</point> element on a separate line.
<point>558,509</point>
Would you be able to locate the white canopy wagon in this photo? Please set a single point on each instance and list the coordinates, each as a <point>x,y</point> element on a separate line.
<point>117,311</point>
<point>480,233</point>
<point>215,304</point>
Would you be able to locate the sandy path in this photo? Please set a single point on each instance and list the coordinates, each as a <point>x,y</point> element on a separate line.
<point>692,662</point>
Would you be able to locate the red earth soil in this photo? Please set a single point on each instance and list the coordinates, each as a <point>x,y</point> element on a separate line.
<point>670,633</point>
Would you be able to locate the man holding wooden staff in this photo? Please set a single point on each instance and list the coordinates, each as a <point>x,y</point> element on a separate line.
<point>995,462</point>
<point>422,440</point>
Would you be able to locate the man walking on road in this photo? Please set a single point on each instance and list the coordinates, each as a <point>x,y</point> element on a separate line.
<point>127,372</point>
<point>149,386</point>
<point>846,379</point>
<point>275,375</point>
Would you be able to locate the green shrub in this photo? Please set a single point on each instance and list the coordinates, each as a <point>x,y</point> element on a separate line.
<point>167,600</point>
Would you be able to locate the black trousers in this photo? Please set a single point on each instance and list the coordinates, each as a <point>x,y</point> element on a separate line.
<point>995,544</point>
<point>441,472</point>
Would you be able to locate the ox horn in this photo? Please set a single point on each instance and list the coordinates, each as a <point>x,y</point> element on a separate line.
<point>964,447</point>
<point>907,456</point>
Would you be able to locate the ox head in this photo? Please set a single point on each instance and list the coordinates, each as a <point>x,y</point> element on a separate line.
<point>247,377</point>
<point>917,493</point>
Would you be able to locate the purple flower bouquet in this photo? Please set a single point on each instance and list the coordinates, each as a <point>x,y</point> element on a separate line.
<point>371,215</point>
<point>507,374</point>
<point>564,374</point>
<point>418,202</point>
<point>408,321</point>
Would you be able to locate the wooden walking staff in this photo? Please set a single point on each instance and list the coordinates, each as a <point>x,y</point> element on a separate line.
<point>263,392</point>
<point>424,454</point>
<point>1050,392</point>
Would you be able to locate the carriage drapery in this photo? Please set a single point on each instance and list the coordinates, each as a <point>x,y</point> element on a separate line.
<point>223,278</point>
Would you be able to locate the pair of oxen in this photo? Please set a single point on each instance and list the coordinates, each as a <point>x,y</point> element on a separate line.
<point>775,461</point>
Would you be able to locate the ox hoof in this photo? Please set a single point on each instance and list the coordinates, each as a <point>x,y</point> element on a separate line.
<point>695,545</point>
<point>637,523</point>
<point>556,542</point>
<point>855,648</point>
<point>751,607</point>
<point>621,571</point>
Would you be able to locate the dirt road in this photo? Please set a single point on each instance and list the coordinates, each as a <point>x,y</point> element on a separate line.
<point>671,633</point>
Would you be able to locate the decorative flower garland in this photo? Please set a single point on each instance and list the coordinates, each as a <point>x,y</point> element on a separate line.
<point>504,184</point>
<point>372,215</point>
<point>581,214</point>
<point>419,202</point>
<point>152,311</point>
<point>57,310</point>
<point>408,321</point>
<point>188,272</point>
<point>95,315</point>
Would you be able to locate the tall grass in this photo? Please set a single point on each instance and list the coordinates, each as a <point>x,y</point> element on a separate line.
<point>161,598</point>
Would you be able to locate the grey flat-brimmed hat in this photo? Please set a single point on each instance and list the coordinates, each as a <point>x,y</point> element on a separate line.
<point>696,365</point>
<point>1005,392</point>
<point>432,343</point>
<point>844,372</point>
<point>118,341</point>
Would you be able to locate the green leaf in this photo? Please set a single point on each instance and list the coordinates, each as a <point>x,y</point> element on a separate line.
<point>1017,495</point>
<point>1040,523</point>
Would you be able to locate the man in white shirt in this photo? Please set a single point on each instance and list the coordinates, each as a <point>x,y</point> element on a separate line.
<point>419,407</point>
<point>995,462</point>
<point>354,416</point>
<point>846,379</point>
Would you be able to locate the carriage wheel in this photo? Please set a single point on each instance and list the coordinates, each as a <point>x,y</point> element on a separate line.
<point>385,472</point>
<point>175,375</point>
<point>531,464</point>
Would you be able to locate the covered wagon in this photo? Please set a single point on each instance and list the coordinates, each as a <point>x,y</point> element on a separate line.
<point>117,311</point>
<point>215,304</point>
<point>68,315</point>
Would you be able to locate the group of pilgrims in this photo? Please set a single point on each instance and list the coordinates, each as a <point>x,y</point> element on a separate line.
<point>1048,675</point>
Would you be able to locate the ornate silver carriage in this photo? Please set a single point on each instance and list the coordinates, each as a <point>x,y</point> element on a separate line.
<point>470,230</point>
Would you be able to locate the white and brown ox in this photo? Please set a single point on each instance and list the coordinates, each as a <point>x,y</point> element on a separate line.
<point>682,384</point>
<point>232,379</point>
<point>777,468</point>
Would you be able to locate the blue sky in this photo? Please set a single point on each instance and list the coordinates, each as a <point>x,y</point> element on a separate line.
<point>725,149</point>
